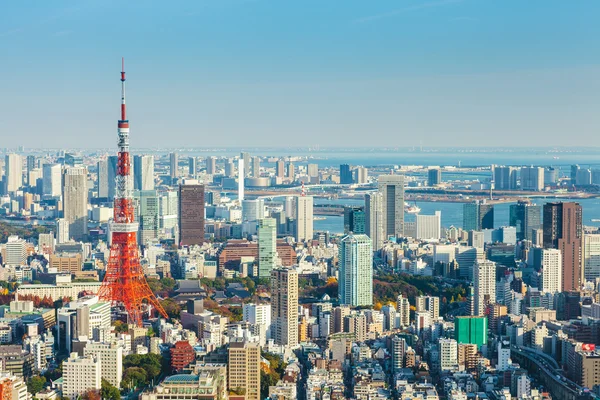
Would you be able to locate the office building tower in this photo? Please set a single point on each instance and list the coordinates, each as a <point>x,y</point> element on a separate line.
<point>429,304</point>
<point>429,226</point>
<point>247,163</point>
<point>361,175</point>
<point>111,360</point>
<point>255,167</point>
<point>505,178</point>
<point>280,169</point>
<point>478,215</point>
<point>62,230</point>
<point>448,354</point>
<point>241,175</point>
<point>52,180</point>
<point>356,271</point>
<point>550,176</point>
<point>403,310</point>
<point>81,374</point>
<point>147,213</point>
<point>13,166</point>
<point>434,176</point>
<point>345,174</point>
<point>563,231</point>
<point>526,217</point>
<point>75,198</point>
<point>143,169</point>
<point>471,330</point>
<point>551,271</point>
<point>30,164</point>
<point>354,220</point>
<point>584,177</point>
<point>532,178</point>
<point>211,165</point>
<point>244,369</point>
<point>107,175</point>
<point>374,218</point>
<point>391,188</point>
<point>73,159</point>
<point>591,256</point>
<point>304,218</point>
<point>192,167</point>
<point>174,165</point>
<point>253,210</point>
<point>284,306</point>
<point>267,246</point>
<point>15,251</point>
<point>191,215</point>
<point>484,282</point>
<point>573,175</point>
<point>229,168</point>
<point>291,174</point>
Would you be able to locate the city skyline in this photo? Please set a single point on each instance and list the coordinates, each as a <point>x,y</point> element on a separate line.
<point>314,70</point>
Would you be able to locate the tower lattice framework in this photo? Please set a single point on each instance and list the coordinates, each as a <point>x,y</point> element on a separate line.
<point>124,283</point>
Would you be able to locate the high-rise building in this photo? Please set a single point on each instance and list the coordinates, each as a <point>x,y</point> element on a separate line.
<point>591,256</point>
<point>246,157</point>
<point>191,215</point>
<point>563,231</point>
<point>356,271</point>
<point>15,251</point>
<point>241,178</point>
<point>284,306</point>
<point>345,174</point>
<point>430,304</point>
<point>526,217</point>
<point>147,209</point>
<point>484,282</point>
<point>192,166</point>
<point>81,374</point>
<point>374,218</point>
<point>573,175</point>
<point>403,310</point>
<point>429,226</point>
<point>550,176</point>
<point>13,166</point>
<point>291,174</point>
<point>361,175</point>
<point>471,330</point>
<point>267,246</point>
<point>398,352</point>
<point>551,271</point>
<point>52,179</point>
<point>143,169</point>
<point>256,167</point>
<point>75,197</point>
<point>532,178</point>
<point>391,188</point>
<point>505,178</point>
<point>253,210</point>
<point>304,218</point>
<point>477,216</point>
<point>229,168</point>
<point>354,220</point>
<point>434,176</point>
<point>584,177</point>
<point>111,360</point>
<point>107,177</point>
<point>174,165</point>
<point>244,369</point>
<point>448,354</point>
<point>211,165</point>
<point>280,169</point>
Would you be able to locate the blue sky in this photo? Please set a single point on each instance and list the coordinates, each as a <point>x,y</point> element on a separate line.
<point>293,73</point>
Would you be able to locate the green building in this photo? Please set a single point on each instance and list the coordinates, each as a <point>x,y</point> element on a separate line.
<point>472,330</point>
<point>354,220</point>
<point>267,246</point>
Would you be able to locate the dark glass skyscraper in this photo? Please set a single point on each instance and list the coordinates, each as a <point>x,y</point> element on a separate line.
<point>354,220</point>
<point>434,177</point>
<point>525,217</point>
<point>478,216</point>
<point>345,174</point>
<point>191,215</point>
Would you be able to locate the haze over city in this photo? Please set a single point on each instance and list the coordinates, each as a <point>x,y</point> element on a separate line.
<point>258,73</point>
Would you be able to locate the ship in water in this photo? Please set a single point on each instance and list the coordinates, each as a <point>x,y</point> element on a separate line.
<point>411,209</point>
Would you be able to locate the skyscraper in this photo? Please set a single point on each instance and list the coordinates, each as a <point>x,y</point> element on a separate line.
<point>505,178</point>
<point>551,271</point>
<point>284,306</point>
<point>345,174</point>
<point>525,217</point>
<point>52,179</point>
<point>211,165</point>
<point>563,231</point>
<point>253,210</point>
<point>75,197</point>
<point>429,226</point>
<point>244,368</point>
<point>591,256</point>
<point>191,215</point>
<point>291,173</point>
<point>107,175</point>
<point>304,218</point>
<point>14,172</point>
<point>256,167</point>
<point>477,216</point>
<point>192,167</point>
<point>246,157</point>
<point>280,169</point>
<point>354,220</point>
<point>147,214</point>
<point>229,168</point>
<point>356,271</point>
<point>430,304</point>
<point>143,169</point>
<point>241,178</point>
<point>267,246</point>
<point>174,165</point>
<point>403,310</point>
<point>391,188</point>
<point>484,282</point>
<point>361,175</point>
<point>434,177</point>
<point>374,218</point>
<point>532,178</point>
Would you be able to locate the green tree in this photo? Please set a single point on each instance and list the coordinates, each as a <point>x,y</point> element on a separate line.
<point>121,327</point>
<point>171,307</point>
<point>150,363</point>
<point>35,384</point>
<point>134,376</point>
<point>109,392</point>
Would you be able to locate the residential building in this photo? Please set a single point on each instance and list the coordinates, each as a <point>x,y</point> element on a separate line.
<point>374,217</point>
<point>551,271</point>
<point>13,166</point>
<point>75,198</point>
<point>391,188</point>
<point>111,360</point>
<point>284,306</point>
<point>244,369</point>
<point>356,271</point>
<point>81,374</point>
<point>484,282</point>
<point>304,218</point>
<point>591,256</point>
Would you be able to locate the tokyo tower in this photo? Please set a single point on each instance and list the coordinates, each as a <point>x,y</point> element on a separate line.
<point>124,284</point>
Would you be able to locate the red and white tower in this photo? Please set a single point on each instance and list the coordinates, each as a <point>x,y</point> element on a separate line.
<point>124,284</point>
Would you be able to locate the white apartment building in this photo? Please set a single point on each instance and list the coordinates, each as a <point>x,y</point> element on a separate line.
<point>81,374</point>
<point>111,360</point>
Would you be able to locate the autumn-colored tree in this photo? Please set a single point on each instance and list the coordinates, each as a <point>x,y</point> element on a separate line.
<point>378,306</point>
<point>91,394</point>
